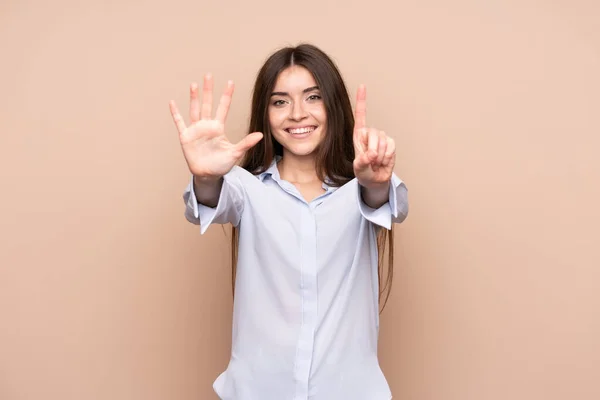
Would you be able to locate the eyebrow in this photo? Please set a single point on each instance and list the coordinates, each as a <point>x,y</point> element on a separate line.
<point>310,89</point>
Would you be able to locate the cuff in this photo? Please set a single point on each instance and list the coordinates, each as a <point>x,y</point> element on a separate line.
<point>228,209</point>
<point>394,210</point>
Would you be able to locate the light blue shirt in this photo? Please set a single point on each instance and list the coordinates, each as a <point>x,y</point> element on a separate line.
<point>306,309</point>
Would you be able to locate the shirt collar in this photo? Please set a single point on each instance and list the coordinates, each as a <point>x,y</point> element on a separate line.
<point>273,172</point>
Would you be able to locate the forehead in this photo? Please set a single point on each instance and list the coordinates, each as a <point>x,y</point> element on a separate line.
<point>294,79</point>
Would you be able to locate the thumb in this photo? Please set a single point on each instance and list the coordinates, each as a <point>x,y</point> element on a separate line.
<point>248,142</point>
<point>361,162</point>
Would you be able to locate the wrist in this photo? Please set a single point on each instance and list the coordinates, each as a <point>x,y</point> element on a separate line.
<point>375,186</point>
<point>206,179</point>
<point>375,195</point>
<point>207,190</point>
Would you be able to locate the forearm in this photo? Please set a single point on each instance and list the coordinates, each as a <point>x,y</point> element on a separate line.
<point>207,190</point>
<point>376,196</point>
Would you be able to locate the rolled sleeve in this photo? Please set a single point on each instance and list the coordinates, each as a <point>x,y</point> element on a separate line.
<point>229,206</point>
<point>394,210</point>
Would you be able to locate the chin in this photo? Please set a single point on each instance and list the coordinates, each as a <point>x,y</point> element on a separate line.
<point>298,148</point>
<point>302,150</point>
<point>302,153</point>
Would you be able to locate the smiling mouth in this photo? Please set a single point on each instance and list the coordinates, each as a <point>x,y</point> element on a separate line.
<point>301,131</point>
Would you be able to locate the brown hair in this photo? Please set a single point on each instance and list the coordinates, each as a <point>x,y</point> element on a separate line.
<point>334,156</point>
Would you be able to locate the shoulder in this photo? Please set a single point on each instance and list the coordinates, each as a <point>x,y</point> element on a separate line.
<point>243,173</point>
<point>241,177</point>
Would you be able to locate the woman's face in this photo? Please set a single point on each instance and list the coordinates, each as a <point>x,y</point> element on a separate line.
<point>297,113</point>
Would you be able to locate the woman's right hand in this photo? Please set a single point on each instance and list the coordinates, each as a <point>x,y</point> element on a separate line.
<point>207,151</point>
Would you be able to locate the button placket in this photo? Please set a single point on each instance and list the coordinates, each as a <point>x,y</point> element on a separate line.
<point>308,289</point>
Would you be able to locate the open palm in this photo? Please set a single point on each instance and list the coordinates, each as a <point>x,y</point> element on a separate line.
<point>207,150</point>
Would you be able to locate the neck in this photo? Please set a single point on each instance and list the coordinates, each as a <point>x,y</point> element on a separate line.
<point>297,169</point>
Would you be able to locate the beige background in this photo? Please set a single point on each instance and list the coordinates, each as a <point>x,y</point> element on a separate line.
<point>106,292</point>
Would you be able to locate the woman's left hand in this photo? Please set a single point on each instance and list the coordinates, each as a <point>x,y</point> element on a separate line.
<point>375,152</point>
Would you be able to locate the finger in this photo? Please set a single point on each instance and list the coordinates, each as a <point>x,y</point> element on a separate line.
<point>360,112</point>
<point>361,162</point>
<point>225,102</point>
<point>362,139</point>
<point>359,139</point>
<point>382,148</point>
<point>373,144</point>
<point>248,142</point>
<point>207,91</point>
<point>390,152</point>
<point>177,118</point>
<point>194,103</point>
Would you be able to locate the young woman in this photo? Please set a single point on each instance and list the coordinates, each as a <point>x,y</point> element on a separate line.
<point>310,205</point>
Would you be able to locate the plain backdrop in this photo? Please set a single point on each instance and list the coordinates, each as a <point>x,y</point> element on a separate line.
<point>108,293</point>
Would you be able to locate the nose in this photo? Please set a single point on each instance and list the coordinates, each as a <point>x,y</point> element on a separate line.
<point>297,111</point>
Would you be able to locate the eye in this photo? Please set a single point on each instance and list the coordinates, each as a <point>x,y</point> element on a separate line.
<point>314,97</point>
<point>279,102</point>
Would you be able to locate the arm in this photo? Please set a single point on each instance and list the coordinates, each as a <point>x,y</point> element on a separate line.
<point>214,193</point>
<point>204,209</point>
<point>375,197</point>
<point>391,206</point>
<point>382,196</point>
<point>207,190</point>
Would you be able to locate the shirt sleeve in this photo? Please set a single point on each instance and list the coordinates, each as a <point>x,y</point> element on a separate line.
<point>394,210</point>
<point>229,206</point>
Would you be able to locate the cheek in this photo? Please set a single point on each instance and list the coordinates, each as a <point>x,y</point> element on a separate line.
<point>271,115</point>
<point>320,114</point>
<point>276,118</point>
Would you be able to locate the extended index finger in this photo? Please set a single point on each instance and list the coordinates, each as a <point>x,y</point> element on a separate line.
<point>360,112</point>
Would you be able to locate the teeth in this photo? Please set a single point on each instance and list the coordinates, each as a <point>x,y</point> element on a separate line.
<point>301,130</point>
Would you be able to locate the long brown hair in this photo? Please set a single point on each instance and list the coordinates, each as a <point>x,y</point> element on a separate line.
<point>334,156</point>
